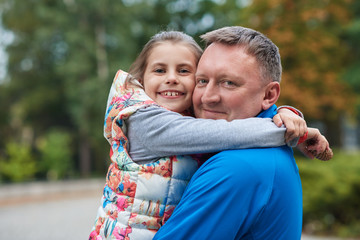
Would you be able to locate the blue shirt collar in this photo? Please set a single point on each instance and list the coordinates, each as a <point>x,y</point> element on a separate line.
<point>269,113</point>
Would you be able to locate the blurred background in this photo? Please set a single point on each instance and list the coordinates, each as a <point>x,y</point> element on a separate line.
<point>58,59</point>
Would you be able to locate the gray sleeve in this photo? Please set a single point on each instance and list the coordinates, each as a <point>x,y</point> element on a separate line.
<point>155,132</point>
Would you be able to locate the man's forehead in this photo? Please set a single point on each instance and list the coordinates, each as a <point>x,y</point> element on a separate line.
<point>225,56</point>
<point>221,50</point>
<point>228,62</point>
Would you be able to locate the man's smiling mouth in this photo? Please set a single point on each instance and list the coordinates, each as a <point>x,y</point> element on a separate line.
<point>213,111</point>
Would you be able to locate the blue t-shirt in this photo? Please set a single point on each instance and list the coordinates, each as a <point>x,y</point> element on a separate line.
<point>241,194</point>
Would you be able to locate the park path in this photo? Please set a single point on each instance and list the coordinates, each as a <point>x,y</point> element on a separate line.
<point>53,210</point>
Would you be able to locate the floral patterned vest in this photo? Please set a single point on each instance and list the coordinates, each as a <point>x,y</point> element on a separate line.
<point>137,198</point>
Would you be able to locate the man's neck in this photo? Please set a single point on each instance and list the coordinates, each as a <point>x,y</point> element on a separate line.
<point>269,113</point>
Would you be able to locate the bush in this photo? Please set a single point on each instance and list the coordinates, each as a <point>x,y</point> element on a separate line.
<point>56,154</point>
<point>331,195</point>
<point>18,164</point>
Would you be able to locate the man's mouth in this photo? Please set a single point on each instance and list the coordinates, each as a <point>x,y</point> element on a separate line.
<point>212,114</point>
<point>213,111</point>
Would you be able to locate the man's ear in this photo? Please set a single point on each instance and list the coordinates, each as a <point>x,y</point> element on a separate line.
<point>272,93</point>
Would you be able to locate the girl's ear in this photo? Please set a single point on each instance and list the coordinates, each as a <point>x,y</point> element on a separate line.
<point>272,93</point>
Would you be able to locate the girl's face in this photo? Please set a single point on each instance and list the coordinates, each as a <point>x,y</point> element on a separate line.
<point>169,77</point>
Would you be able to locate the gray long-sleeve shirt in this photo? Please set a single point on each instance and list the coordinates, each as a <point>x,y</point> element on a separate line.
<point>155,132</point>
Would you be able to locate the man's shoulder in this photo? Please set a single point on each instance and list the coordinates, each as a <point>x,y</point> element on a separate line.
<point>255,152</point>
<point>255,165</point>
<point>261,159</point>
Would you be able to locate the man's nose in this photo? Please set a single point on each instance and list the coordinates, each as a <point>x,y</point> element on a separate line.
<point>210,95</point>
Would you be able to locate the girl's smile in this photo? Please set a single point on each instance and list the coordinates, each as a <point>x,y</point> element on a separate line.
<point>171,94</point>
<point>169,77</point>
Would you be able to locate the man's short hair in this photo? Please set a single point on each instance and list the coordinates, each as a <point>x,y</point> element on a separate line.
<point>255,44</point>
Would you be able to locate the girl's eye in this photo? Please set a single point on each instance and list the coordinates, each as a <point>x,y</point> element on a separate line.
<point>184,70</point>
<point>159,70</point>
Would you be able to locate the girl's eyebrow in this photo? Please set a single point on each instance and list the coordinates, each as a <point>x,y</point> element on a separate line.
<point>161,64</point>
<point>185,63</point>
<point>189,65</point>
<point>158,63</point>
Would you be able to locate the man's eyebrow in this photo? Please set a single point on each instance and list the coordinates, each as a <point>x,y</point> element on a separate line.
<point>230,76</point>
<point>200,75</point>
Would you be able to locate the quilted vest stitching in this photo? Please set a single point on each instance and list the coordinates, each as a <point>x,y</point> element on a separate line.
<point>125,212</point>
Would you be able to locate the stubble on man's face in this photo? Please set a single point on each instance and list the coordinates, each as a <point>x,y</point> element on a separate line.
<point>228,84</point>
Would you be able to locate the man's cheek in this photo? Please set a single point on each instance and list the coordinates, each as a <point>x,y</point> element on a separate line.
<point>196,96</point>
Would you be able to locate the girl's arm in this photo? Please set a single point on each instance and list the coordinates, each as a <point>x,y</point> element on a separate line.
<point>295,125</point>
<point>155,132</point>
<point>316,145</point>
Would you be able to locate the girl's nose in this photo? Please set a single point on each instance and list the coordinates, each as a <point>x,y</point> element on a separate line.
<point>171,78</point>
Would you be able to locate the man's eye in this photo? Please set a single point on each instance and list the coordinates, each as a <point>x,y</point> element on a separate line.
<point>201,82</point>
<point>229,84</point>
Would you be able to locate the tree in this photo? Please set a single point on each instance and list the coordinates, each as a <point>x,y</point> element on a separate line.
<point>65,53</point>
<point>351,36</point>
<point>62,61</point>
<point>313,55</point>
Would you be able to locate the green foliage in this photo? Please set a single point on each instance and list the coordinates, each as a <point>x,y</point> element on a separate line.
<point>18,164</point>
<point>65,54</point>
<point>308,34</point>
<point>56,154</point>
<point>351,35</point>
<point>331,195</point>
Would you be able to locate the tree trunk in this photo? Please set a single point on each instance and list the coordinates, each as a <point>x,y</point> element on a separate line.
<point>334,133</point>
<point>85,158</point>
<point>101,54</point>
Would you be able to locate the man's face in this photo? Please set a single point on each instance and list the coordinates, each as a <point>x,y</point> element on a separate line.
<point>228,84</point>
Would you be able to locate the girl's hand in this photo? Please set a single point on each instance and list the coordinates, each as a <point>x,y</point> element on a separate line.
<point>316,145</point>
<point>295,125</point>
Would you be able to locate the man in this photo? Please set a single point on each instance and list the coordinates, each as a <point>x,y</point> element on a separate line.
<point>239,194</point>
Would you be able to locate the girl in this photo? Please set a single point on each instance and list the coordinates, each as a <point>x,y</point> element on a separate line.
<point>142,191</point>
